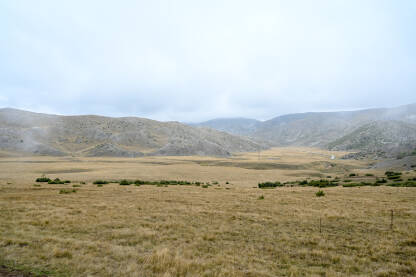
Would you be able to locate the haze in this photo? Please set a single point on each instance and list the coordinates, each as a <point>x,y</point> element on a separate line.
<point>196,60</point>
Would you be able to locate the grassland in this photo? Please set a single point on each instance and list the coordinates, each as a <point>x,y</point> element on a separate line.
<point>233,229</point>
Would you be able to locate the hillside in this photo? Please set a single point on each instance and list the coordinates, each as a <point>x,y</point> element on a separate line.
<point>236,126</point>
<point>318,129</point>
<point>380,138</point>
<point>34,133</point>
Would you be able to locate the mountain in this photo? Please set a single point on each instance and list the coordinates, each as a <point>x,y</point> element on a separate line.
<point>322,129</point>
<point>236,126</point>
<point>92,135</point>
<point>380,138</point>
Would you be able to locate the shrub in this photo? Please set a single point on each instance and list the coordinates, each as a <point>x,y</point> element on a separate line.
<point>36,185</point>
<point>353,174</point>
<point>100,182</point>
<point>205,186</point>
<point>43,179</point>
<point>303,183</point>
<point>67,182</point>
<point>270,185</point>
<point>67,191</point>
<point>347,181</point>
<point>320,193</point>
<point>76,186</point>
<point>322,183</point>
<point>382,181</point>
<point>100,185</point>
<point>261,197</point>
<point>56,181</point>
<point>139,182</point>
<point>351,185</point>
<point>125,183</point>
<point>369,174</point>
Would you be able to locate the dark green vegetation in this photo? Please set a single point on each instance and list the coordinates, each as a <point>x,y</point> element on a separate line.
<point>100,182</point>
<point>270,185</point>
<point>320,193</point>
<point>43,179</point>
<point>67,191</point>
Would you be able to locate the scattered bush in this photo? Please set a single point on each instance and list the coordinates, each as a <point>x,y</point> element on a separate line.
<point>322,183</point>
<point>100,182</point>
<point>76,186</point>
<point>320,193</point>
<point>369,174</point>
<point>67,191</point>
<point>270,185</point>
<point>43,179</point>
<point>205,186</point>
<point>261,197</point>
<point>382,181</point>
<point>404,184</point>
<point>125,183</point>
<point>56,181</point>
<point>347,181</point>
<point>353,175</point>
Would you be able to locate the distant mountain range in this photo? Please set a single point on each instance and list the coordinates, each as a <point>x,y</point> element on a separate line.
<point>373,132</point>
<point>42,134</point>
<point>378,132</point>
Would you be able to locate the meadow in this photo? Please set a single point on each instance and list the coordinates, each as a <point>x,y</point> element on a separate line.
<point>229,227</point>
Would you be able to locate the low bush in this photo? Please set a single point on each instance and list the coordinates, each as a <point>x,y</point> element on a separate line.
<point>320,193</point>
<point>270,185</point>
<point>205,186</point>
<point>404,184</point>
<point>322,183</point>
<point>100,182</point>
<point>67,191</point>
<point>353,175</point>
<point>43,179</point>
<point>125,183</point>
<point>261,197</point>
<point>56,181</point>
<point>369,174</point>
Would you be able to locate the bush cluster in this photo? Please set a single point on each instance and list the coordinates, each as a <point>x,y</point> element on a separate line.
<point>270,185</point>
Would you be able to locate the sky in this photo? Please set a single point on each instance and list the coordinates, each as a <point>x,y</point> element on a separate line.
<point>196,60</point>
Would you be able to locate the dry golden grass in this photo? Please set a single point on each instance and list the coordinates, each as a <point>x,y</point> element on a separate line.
<point>223,230</point>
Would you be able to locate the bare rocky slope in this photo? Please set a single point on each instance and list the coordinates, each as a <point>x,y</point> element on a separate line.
<point>334,130</point>
<point>42,134</point>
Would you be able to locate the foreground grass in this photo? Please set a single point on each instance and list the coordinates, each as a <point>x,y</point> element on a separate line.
<point>191,231</point>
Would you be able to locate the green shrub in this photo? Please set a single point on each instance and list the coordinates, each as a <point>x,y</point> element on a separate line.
<point>322,183</point>
<point>36,185</point>
<point>76,186</point>
<point>125,183</point>
<point>270,185</point>
<point>67,191</point>
<point>404,184</point>
<point>382,181</point>
<point>100,185</point>
<point>100,182</point>
<point>369,174</point>
<point>205,186</point>
<point>56,181</point>
<point>261,197</point>
<point>67,182</point>
<point>353,174</point>
<point>139,182</point>
<point>320,193</point>
<point>351,185</point>
<point>347,181</point>
<point>43,179</point>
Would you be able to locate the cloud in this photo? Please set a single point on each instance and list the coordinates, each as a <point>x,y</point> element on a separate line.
<point>195,60</point>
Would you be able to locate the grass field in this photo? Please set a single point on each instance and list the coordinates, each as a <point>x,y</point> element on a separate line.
<point>233,229</point>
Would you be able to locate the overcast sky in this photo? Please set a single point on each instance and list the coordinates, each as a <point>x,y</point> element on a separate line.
<point>197,60</point>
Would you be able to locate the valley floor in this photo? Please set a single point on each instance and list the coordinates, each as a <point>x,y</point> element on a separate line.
<point>231,228</point>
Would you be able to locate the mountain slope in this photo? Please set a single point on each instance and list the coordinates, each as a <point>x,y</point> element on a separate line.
<point>104,136</point>
<point>383,138</point>
<point>236,126</point>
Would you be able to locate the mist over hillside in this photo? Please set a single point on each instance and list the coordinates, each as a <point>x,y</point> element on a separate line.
<point>388,132</point>
<point>90,135</point>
